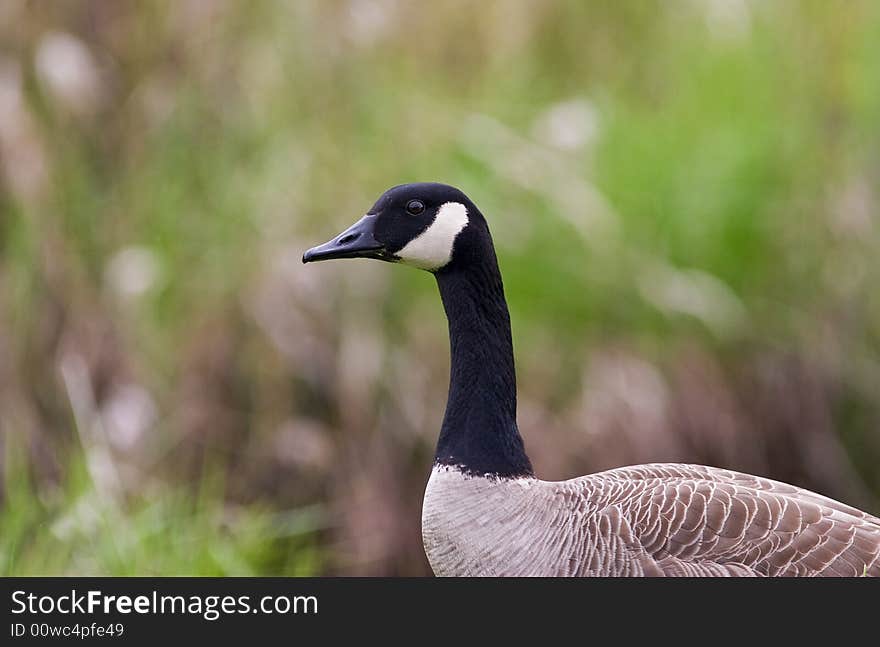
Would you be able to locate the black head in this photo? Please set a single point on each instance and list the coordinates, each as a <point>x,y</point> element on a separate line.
<point>426,225</point>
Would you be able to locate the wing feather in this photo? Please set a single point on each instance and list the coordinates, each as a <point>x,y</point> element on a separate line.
<point>692,520</point>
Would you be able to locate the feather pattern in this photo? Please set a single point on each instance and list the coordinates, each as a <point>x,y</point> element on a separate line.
<point>658,519</point>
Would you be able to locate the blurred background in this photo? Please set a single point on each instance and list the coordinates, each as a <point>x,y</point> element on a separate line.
<point>684,197</point>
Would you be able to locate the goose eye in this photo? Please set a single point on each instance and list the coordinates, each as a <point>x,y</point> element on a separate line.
<point>415,207</point>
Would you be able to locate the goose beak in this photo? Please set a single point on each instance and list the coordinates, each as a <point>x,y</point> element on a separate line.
<point>355,242</point>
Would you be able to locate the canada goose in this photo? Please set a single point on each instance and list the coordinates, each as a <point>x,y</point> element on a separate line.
<point>485,512</point>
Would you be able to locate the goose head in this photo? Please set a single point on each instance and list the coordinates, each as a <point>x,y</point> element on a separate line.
<point>435,227</point>
<point>426,225</point>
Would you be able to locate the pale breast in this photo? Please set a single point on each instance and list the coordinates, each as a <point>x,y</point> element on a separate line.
<point>476,525</point>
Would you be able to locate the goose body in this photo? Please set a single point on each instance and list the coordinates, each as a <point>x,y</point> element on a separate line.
<point>485,512</point>
<point>646,520</point>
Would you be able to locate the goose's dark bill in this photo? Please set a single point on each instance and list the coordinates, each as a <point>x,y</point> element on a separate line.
<point>358,241</point>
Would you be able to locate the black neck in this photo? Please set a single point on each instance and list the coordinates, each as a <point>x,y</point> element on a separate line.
<point>479,433</point>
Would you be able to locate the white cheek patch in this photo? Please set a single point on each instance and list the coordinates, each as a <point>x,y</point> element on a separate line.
<point>432,249</point>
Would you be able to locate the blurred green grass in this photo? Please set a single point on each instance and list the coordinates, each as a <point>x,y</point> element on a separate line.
<point>719,194</point>
<point>75,529</point>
